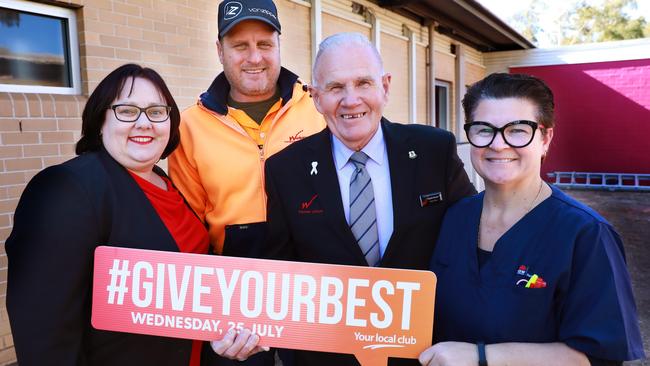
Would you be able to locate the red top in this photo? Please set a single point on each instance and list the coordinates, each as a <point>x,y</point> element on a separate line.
<point>186,229</point>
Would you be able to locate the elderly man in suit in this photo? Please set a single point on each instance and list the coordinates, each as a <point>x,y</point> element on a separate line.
<point>364,191</point>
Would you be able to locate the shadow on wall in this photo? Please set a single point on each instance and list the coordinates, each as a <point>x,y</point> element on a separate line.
<point>602,116</point>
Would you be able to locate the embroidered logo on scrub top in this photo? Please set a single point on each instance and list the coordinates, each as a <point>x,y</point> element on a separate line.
<point>528,280</point>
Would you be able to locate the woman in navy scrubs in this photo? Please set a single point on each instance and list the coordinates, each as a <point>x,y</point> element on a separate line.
<point>526,274</point>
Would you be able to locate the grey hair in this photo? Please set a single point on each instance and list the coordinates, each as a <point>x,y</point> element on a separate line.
<point>344,39</point>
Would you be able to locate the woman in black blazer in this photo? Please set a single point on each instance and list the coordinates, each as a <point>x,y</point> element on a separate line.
<point>109,195</point>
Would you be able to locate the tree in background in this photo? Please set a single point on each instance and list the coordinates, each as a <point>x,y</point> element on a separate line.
<point>583,22</point>
<point>586,23</point>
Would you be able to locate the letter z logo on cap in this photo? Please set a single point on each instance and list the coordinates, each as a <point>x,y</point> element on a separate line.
<point>233,9</point>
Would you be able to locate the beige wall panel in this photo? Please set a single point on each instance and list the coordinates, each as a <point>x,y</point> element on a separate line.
<point>334,24</point>
<point>473,73</point>
<point>295,41</point>
<point>442,43</point>
<point>473,55</point>
<point>342,8</point>
<point>421,86</point>
<point>395,55</point>
<point>444,66</point>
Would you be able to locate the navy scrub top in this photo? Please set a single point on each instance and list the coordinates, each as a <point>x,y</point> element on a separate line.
<point>586,303</point>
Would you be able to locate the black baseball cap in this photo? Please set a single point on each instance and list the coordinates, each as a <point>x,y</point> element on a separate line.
<point>232,12</point>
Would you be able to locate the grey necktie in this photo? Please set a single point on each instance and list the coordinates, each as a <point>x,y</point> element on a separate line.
<point>363,218</point>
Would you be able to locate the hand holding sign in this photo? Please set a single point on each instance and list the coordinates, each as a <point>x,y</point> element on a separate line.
<point>238,346</point>
<point>368,312</point>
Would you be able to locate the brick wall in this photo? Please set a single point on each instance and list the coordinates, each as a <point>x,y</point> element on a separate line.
<point>176,38</point>
<point>36,131</point>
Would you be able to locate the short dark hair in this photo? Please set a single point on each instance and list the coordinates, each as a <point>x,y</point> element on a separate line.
<point>107,91</point>
<point>502,85</point>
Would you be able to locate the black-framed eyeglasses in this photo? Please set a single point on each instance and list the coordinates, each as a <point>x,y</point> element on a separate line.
<point>131,113</point>
<point>515,133</point>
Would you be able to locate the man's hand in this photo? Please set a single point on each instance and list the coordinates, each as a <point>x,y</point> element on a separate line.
<point>450,353</point>
<point>238,346</point>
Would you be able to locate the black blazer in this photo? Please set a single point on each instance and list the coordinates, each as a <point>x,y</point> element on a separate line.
<point>65,212</point>
<point>320,232</point>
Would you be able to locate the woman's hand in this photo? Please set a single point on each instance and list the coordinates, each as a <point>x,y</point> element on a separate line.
<point>500,354</point>
<point>450,353</point>
<point>238,346</point>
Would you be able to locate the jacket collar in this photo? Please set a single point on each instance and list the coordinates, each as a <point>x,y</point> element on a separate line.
<point>216,97</point>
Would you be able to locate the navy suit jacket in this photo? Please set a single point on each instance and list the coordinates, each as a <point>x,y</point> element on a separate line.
<point>65,212</point>
<point>305,212</point>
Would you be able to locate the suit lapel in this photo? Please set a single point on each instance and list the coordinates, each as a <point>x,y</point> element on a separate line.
<point>128,190</point>
<point>403,165</point>
<point>326,186</point>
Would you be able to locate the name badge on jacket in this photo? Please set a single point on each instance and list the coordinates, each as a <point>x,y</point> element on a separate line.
<point>429,199</point>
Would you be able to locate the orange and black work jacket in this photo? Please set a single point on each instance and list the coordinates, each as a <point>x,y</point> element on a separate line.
<point>219,164</point>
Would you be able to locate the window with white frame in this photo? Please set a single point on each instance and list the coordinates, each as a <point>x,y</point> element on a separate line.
<point>442,104</point>
<point>39,51</point>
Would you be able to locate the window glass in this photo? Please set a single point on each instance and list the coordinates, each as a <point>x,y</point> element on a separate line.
<point>33,49</point>
<point>442,105</point>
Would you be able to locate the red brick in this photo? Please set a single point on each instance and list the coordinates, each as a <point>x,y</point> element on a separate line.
<point>129,32</point>
<point>11,179</point>
<point>9,125</point>
<point>15,151</point>
<point>41,150</point>
<point>67,149</point>
<point>152,36</point>
<point>164,27</point>
<point>57,137</point>
<point>99,27</point>
<point>147,4</point>
<point>111,17</point>
<point>69,124</point>
<point>17,190</point>
<point>4,220</point>
<point>39,125</point>
<point>20,105</point>
<point>154,58</point>
<point>140,45</point>
<point>177,60</point>
<point>111,41</point>
<point>8,356</point>
<point>6,105</point>
<point>49,161</point>
<point>47,105</point>
<point>34,103</point>
<point>99,51</point>
<point>140,23</point>
<point>22,164</point>
<point>128,55</point>
<point>168,49</point>
<point>126,9</point>
<point>8,341</point>
<point>8,205</point>
<point>154,14</point>
<point>11,138</point>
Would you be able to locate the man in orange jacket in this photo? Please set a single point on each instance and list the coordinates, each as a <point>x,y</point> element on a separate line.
<point>252,110</point>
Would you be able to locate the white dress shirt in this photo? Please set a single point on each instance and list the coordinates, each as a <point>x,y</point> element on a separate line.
<point>377,167</point>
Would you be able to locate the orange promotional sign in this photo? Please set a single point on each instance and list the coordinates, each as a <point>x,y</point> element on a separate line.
<point>373,313</point>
